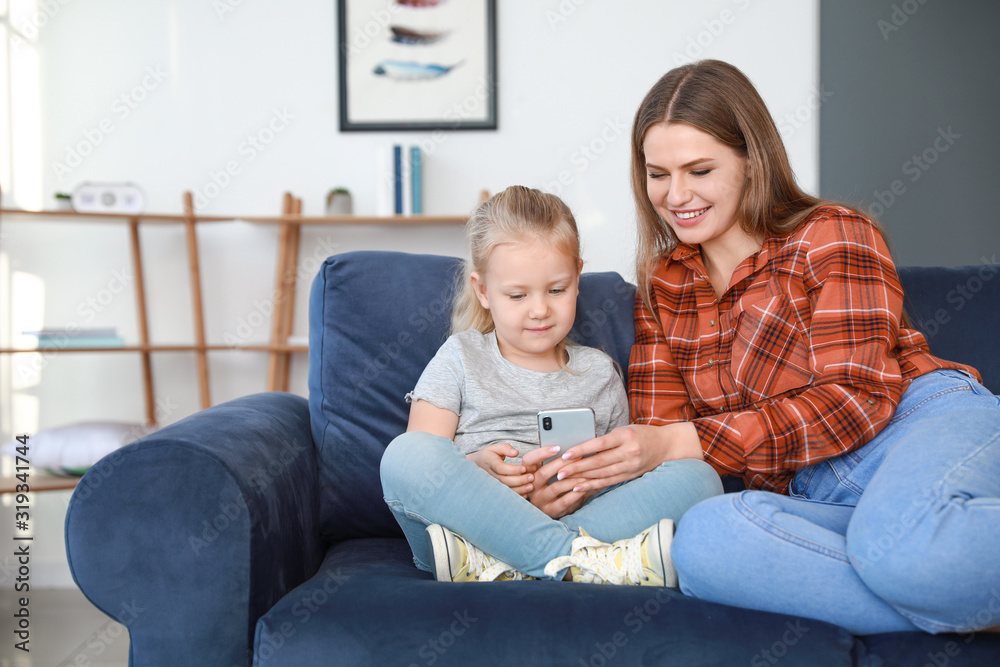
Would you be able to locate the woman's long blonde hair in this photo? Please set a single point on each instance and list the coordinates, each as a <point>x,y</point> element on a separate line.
<point>515,215</point>
<point>718,99</point>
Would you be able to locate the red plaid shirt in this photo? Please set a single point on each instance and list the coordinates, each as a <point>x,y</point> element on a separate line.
<point>802,359</point>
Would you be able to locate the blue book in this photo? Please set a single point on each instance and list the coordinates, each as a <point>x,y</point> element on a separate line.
<point>397,171</point>
<point>416,176</point>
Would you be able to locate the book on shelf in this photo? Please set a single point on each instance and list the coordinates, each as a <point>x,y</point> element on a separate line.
<point>49,332</point>
<point>68,342</point>
<point>400,181</point>
<point>56,338</point>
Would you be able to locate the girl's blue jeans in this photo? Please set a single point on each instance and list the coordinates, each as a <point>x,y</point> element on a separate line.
<point>901,534</point>
<point>426,479</point>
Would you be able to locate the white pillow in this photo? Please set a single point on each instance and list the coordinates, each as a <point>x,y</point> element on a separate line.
<point>74,448</point>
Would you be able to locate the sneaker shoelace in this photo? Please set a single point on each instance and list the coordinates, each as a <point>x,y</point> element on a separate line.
<point>602,563</point>
<point>485,567</point>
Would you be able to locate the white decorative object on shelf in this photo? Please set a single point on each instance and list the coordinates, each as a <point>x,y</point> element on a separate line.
<point>338,202</point>
<point>108,198</point>
<point>74,448</point>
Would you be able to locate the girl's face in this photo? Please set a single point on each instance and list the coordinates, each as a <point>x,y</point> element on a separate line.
<point>695,182</point>
<point>530,290</point>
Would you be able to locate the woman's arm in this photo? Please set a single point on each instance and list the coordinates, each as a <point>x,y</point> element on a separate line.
<point>848,316</point>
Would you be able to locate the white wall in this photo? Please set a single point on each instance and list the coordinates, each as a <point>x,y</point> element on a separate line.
<point>571,73</point>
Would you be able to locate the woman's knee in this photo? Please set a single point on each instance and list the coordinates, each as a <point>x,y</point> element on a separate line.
<point>691,550</point>
<point>908,557</point>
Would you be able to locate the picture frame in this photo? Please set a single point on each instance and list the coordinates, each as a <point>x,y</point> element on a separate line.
<point>417,65</point>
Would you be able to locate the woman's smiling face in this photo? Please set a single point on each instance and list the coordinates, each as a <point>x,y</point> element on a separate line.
<point>695,183</point>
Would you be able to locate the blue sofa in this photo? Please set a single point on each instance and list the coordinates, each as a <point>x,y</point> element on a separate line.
<point>255,532</point>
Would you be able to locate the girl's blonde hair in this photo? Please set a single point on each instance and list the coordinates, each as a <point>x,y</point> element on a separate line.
<point>718,99</point>
<point>515,215</point>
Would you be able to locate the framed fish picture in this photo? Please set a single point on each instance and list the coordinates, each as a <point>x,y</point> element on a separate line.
<point>417,65</point>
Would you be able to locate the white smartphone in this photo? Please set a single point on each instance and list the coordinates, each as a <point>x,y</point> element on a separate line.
<point>565,428</point>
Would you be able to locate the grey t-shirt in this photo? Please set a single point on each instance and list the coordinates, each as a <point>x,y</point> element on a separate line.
<point>497,401</point>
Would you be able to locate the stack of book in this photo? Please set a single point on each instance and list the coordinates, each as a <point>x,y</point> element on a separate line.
<point>400,184</point>
<point>77,337</point>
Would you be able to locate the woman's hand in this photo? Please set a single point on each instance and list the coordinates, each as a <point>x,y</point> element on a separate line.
<point>491,459</point>
<point>557,499</point>
<point>626,453</point>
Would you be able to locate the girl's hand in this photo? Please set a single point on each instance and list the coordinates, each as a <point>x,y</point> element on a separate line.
<point>628,452</point>
<point>491,459</point>
<point>557,499</point>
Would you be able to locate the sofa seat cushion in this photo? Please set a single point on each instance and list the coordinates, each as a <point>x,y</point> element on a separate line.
<point>368,605</point>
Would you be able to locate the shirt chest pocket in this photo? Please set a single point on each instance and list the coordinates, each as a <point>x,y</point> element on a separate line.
<point>770,354</point>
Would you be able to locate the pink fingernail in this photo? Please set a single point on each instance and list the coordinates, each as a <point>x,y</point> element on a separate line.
<point>560,475</point>
<point>554,450</point>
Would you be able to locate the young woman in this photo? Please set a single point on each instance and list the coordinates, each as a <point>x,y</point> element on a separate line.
<point>469,505</point>
<point>771,341</point>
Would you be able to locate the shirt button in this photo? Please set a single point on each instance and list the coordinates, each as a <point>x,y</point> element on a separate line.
<point>871,402</point>
<point>711,322</point>
<point>711,362</point>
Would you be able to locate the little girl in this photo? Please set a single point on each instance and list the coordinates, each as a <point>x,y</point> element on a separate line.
<point>467,482</point>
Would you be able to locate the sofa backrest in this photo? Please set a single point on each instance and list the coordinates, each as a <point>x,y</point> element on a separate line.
<point>958,311</point>
<point>375,320</point>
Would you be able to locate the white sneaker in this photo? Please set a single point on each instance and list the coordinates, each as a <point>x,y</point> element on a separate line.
<point>457,560</point>
<point>643,560</point>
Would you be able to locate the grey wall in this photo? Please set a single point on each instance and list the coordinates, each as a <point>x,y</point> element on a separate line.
<point>909,125</point>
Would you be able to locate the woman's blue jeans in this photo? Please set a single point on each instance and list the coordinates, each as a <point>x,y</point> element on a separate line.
<point>426,479</point>
<point>902,534</point>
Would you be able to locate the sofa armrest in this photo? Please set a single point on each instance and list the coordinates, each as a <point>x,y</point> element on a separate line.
<point>190,534</point>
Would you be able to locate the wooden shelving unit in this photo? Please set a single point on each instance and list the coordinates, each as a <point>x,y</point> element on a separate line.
<point>278,350</point>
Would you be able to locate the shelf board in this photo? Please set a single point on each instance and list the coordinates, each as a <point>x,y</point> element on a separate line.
<point>39,482</point>
<point>262,347</point>
<point>270,220</point>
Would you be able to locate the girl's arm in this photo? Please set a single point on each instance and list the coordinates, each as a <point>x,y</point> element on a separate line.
<point>429,418</point>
